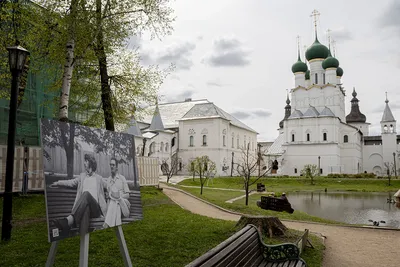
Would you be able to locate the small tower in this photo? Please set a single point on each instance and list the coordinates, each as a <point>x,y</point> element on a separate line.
<point>156,121</point>
<point>389,138</point>
<point>299,68</point>
<point>288,111</point>
<point>388,123</point>
<point>330,65</point>
<point>355,117</point>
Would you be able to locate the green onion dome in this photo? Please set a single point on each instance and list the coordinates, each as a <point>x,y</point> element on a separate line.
<point>330,62</point>
<point>339,72</point>
<point>307,74</point>
<point>317,50</point>
<point>299,66</point>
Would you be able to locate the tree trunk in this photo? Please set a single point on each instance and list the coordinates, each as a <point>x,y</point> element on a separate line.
<point>66,83</point>
<point>70,152</point>
<point>247,194</point>
<point>268,225</point>
<point>104,78</point>
<point>68,66</point>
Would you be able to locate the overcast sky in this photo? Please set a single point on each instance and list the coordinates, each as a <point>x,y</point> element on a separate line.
<point>238,54</point>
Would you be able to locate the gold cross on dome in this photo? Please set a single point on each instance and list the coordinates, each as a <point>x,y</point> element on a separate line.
<point>315,14</point>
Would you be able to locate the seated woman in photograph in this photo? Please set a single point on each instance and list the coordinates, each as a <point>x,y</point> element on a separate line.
<point>90,198</point>
<point>118,205</point>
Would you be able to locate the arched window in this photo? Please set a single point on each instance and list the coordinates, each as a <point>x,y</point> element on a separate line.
<point>151,148</point>
<point>345,139</point>
<point>191,140</point>
<point>233,141</point>
<point>162,147</point>
<point>325,136</point>
<point>237,143</point>
<point>292,137</point>
<point>316,78</point>
<point>385,128</point>
<point>204,140</point>
<point>308,137</point>
<point>391,130</point>
<point>166,147</point>
<point>244,142</point>
<point>323,78</point>
<point>173,142</point>
<point>224,140</point>
<point>138,150</point>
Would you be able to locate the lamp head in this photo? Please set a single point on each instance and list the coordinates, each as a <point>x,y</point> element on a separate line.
<point>17,56</point>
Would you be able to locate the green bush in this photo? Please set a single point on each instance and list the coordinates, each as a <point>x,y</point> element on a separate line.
<point>346,175</point>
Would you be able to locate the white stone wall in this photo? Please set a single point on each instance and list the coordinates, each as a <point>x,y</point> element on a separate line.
<point>215,129</point>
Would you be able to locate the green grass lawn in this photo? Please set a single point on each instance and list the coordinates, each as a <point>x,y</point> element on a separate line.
<point>167,236</point>
<point>279,185</point>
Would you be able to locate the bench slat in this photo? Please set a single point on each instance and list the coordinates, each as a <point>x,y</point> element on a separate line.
<point>240,252</point>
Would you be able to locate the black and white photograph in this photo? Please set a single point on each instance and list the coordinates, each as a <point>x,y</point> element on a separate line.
<point>91,179</point>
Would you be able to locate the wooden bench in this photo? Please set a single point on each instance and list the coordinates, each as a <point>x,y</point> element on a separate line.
<point>276,204</point>
<point>60,201</point>
<point>246,248</point>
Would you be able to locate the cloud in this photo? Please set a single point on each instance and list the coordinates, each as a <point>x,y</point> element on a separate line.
<point>181,96</point>
<point>251,113</point>
<point>228,52</point>
<point>391,18</point>
<point>341,34</point>
<point>216,83</point>
<point>178,54</point>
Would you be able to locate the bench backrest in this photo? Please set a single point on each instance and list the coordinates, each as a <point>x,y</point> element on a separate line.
<point>302,241</point>
<point>241,249</point>
<point>276,204</point>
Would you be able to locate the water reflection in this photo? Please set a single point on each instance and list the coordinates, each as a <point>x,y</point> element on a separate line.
<point>349,207</point>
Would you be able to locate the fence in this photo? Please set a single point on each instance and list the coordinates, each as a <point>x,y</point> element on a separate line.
<point>29,162</point>
<point>148,169</point>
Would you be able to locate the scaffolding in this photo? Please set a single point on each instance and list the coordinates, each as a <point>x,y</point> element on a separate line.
<point>37,103</point>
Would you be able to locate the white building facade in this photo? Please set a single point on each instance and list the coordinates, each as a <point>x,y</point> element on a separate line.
<point>316,130</point>
<point>191,129</point>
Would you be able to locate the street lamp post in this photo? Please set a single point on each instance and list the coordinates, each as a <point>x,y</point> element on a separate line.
<point>394,162</point>
<point>319,165</point>
<point>233,154</point>
<point>17,59</point>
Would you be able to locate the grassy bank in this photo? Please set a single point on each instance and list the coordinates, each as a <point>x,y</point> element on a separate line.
<point>302,184</point>
<point>168,236</point>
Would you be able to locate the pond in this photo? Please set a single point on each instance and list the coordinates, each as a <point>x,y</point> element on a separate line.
<point>348,207</point>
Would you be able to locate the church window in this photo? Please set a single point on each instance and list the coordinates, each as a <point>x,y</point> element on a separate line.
<point>295,170</point>
<point>323,78</point>
<point>204,140</point>
<point>391,128</point>
<point>138,150</point>
<point>233,141</point>
<point>151,148</point>
<point>316,78</point>
<point>166,147</point>
<point>292,137</point>
<point>345,139</point>
<point>237,143</point>
<point>180,165</point>
<point>173,142</point>
<point>191,140</point>
<point>162,147</point>
<point>224,140</point>
<point>308,137</point>
<point>385,129</point>
<point>325,136</point>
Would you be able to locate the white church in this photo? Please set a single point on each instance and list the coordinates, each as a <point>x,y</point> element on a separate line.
<point>316,129</point>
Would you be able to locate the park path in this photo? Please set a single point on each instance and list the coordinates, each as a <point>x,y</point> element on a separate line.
<point>345,246</point>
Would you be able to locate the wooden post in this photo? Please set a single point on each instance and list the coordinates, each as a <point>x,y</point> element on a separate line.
<point>84,251</point>
<point>122,246</point>
<point>52,254</point>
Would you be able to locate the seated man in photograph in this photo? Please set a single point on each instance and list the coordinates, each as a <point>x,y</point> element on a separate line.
<point>118,205</point>
<point>90,198</point>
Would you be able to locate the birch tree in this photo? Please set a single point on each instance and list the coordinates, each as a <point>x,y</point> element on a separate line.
<point>204,167</point>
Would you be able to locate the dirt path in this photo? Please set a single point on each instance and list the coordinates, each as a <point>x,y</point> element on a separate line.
<point>345,246</point>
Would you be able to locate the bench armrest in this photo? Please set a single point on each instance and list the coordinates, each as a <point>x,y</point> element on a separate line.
<point>281,252</point>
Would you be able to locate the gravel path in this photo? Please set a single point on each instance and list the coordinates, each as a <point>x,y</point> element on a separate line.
<point>345,246</point>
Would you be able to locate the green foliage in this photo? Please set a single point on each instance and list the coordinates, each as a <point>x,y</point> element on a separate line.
<point>310,171</point>
<point>204,167</point>
<point>167,236</point>
<point>345,175</point>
